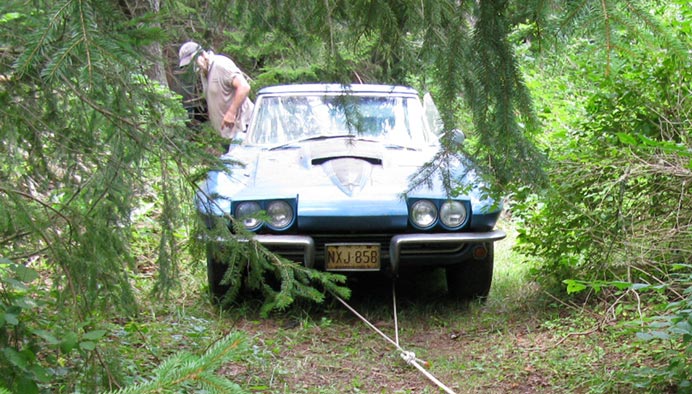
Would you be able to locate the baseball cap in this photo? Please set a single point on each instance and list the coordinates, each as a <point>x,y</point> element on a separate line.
<point>187,52</point>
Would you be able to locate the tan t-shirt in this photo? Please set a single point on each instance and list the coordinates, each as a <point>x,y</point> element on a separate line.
<point>219,91</point>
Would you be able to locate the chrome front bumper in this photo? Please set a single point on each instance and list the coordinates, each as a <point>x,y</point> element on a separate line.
<point>307,243</point>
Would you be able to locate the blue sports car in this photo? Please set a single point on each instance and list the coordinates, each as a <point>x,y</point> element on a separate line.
<point>335,177</point>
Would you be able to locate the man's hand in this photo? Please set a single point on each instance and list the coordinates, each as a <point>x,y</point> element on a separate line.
<point>229,118</point>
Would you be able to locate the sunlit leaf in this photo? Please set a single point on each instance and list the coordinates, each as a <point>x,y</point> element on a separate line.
<point>574,286</point>
<point>25,274</point>
<point>94,335</point>
<point>626,138</point>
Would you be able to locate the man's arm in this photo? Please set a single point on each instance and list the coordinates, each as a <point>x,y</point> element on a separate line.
<point>242,89</point>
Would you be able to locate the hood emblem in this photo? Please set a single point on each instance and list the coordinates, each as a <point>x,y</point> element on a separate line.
<point>348,174</point>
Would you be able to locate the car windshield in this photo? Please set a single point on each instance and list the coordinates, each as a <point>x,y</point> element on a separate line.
<point>285,119</point>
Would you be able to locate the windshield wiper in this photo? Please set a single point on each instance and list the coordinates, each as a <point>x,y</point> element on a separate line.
<point>316,138</point>
<point>398,147</point>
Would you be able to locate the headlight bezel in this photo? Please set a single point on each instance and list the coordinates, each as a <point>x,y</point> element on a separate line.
<point>441,206</point>
<point>257,214</point>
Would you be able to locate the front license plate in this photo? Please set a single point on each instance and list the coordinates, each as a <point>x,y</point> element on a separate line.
<point>352,257</point>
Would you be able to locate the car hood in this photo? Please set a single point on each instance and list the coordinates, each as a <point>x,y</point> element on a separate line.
<point>360,175</point>
<point>338,167</point>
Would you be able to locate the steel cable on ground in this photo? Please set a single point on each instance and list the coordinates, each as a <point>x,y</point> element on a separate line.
<point>408,356</point>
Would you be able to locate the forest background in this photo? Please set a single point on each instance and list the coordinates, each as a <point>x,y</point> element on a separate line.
<point>578,111</point>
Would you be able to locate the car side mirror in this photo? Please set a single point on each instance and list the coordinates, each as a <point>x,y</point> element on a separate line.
<point>455,135</point>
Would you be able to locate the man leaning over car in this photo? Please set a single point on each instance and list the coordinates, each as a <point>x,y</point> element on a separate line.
<point>225,88</point>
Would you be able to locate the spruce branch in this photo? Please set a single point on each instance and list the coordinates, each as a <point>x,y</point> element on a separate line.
<point>184,370</point>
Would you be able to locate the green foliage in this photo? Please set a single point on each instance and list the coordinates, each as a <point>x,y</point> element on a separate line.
<point>19,340</point>
<point>36,347</point>
<point>575,286</point>
<point>252,268</point>
<point>188,372</point>
<point>86,139</point>
<point>674,330</point>
<point>85,130</point>
<point>621,173</point>
<point>618,135</point>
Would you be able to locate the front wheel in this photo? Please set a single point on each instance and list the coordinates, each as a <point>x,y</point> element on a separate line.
<point>217,265</point>
<point>471,278</point>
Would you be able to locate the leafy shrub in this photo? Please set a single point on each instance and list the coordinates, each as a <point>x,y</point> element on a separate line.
<point>674,329</point>
<point>620,174</point>
<point>20,341</point>
<point>36,347</point>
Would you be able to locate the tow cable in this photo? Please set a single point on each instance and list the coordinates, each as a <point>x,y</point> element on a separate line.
<point>408,356</point>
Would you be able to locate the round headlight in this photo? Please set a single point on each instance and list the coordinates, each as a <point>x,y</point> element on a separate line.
<point>248,212</point>
<point>453,213</point>
<point>280,215</point>
<point>423,213</point>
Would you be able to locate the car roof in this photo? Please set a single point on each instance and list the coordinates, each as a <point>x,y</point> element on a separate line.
<point>336,88</point>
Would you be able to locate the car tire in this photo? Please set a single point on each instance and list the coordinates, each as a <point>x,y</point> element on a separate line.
<point>471,279</point>
<point>216,269</point>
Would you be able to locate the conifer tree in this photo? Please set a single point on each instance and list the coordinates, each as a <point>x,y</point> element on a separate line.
<point>87,134</point>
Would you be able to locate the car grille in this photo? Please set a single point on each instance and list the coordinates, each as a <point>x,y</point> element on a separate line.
<point>296,253</point>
